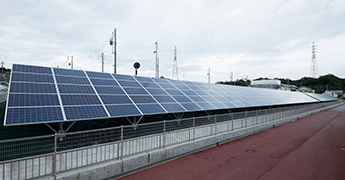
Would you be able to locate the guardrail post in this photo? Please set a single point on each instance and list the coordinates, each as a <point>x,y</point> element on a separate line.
<point>245,119</point>
<point>215,124</point>
<point>54,156</point>
<point>232,121</point>
<point>121,142</point>
<point>265,115</point>
<point>164,133</point>
<point>256,117</point>
<point>193,128</point>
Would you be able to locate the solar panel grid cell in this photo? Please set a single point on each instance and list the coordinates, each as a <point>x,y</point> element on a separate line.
<point>76,89</point>
<point>109,90</point>
<point>71,80</point>
<point>84,112</point>
<point>68,72</point>
<point>115,99</point>
<point>99,75</point>
<point>33,115</point>
<point>103,82</point>
<point>122,110</point>
<point>32,100</point>
<point>31,69</point>
<point>24,77</point>
<point>80,100</point>
<point>17,87</point>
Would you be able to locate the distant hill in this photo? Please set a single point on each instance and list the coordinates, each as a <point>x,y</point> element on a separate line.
<point>323,83</point>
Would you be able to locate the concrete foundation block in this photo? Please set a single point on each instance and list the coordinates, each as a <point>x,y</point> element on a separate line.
<point>99,171</point>
<point>135,161</point>
<point>173,151</point>
<point>156,155</point>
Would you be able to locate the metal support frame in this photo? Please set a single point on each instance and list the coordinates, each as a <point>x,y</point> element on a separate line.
<point>135,123</point>
<point>178,116</point>
<point>50,127</point>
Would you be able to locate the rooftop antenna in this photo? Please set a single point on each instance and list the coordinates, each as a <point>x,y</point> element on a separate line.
<point>314,71</point>
<point>175,69</point>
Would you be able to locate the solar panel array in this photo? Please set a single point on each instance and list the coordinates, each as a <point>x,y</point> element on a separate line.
<point>43,95</point>
<point>322,97</point>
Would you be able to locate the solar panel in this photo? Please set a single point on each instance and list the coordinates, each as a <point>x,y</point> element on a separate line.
<point>44,95</point>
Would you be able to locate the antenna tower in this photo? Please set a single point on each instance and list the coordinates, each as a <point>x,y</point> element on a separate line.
<point>175,69</point>
<point>314,71</point>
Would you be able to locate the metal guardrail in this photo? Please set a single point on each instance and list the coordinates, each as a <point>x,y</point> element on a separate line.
<point>35,157</point>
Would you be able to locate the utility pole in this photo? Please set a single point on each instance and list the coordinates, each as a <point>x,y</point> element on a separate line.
<point>209,75</point>
<point>175,69</point>
<point>114,49</point>
<point>157,61</point>
<point>102,56</point>
<point>314,72</point>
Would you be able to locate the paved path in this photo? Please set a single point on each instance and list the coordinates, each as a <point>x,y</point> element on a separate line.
<point>309,148</point>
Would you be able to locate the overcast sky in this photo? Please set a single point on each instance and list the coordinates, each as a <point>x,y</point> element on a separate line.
<point>253,39</point>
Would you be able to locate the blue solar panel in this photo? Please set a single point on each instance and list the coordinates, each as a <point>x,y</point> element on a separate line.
<point>150,108</point>
<point>109,90</point>
<point>31,69</point>
<point>182,99</point>
<point>122,110</point>
<point>84,112</point>
<point>68,72</point>
<point>104,82</point>
<point>32,77</point>
<point>174,92</point>
<point>99,75</point>
<point>156,91</point>
<point>115,99</point>
<point>164,99</point>
<point>76,89</point>
<point>207,106</point>
<point>33,115</point>
<point>71,80</point>
<point>136,91</point>
<point>166,86</point>
<point>147,83</point>
<point>80,100</point>
<point>142,99</point>
<point>129,83</point>
<point>17,87</point>
<point>197,98</point>
<point>173,107</point>
<point>189,92</point>
<point>191,106</point>
<point>32,100</point>
<point>123,77</point>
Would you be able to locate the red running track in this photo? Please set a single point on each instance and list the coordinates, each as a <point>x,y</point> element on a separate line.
<point>309,148</point>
